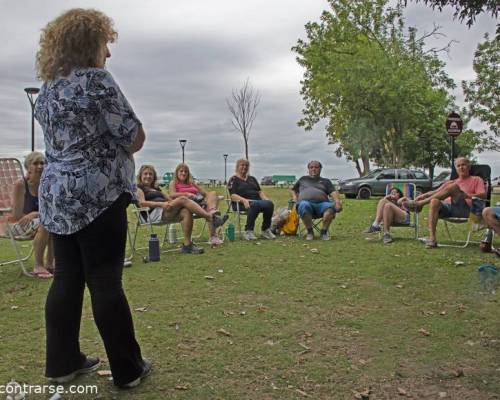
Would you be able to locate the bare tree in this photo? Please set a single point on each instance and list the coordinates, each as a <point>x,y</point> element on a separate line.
<point>243,107</point>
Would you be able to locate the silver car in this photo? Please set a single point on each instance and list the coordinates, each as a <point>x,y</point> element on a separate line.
<point>375,182</point>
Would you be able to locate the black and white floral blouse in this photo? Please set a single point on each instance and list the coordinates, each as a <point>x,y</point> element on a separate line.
<point>87,124</point>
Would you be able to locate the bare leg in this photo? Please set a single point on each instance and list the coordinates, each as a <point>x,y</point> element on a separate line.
<point>212,203</point>
<point>434,206</point>
<point>49,256</point>
<point>491,220</point>
<point>452,191</point>
<point>380,210</point>
<point>392,213</point>
<point>328,218</point>
<point>39,245</point>
<point>307,220</point>
<point>184,202</point>
<point>186,220</point>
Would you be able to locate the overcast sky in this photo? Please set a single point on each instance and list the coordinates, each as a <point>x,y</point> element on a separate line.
<point>177,62</point>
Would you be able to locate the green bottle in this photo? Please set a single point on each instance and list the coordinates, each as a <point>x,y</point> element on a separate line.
<point>230,232</point>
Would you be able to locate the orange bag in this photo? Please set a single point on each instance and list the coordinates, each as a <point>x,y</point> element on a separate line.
<point>292,223</point>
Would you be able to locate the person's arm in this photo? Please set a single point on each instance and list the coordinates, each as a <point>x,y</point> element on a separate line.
<point>263,196</point>
<point>200,190</point>
<point>17,207</point>
<point>141,200</point>
<point>173,194</point>
<point>337,201</point>
<point>138,142</point>
<point>239,199</point>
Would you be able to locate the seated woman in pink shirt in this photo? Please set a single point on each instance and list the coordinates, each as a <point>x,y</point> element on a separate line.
<point>183,186</point>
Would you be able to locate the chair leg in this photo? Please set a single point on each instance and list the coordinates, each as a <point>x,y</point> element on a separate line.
<point>19,257</point>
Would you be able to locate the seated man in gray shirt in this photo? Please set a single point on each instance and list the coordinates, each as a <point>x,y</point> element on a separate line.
<point>312,194</point>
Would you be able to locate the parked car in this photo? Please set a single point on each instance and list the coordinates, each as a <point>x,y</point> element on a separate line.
<point>374,183</point>
<point>440,179</point>
<point>495,181</point>
<point>266,180</point>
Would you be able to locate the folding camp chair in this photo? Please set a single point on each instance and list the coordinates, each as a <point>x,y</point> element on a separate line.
<point>11,171</point>
<point>317,223</point>
<point>476,223</point>
<point>409,191</point>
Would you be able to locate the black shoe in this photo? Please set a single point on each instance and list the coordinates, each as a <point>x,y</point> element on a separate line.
<point>192,249</point>
<point>146,370</point>
<point>90,364</point>
<point>219,220</point>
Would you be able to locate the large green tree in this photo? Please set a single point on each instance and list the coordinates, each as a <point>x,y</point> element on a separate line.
<point>374,84</point>
<point>482,95</point>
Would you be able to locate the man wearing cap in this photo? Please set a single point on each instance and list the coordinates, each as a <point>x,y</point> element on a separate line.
<point>316,198</point>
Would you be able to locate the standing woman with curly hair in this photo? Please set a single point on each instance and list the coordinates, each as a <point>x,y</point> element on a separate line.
<point>91,133</point>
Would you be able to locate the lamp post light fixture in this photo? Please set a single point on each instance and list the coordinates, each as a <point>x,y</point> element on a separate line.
<point>31,92</point>
<point>183,144</point>
<point>225,168</point>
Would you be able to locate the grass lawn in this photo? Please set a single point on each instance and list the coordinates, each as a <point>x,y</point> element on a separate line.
<point>274,320</point>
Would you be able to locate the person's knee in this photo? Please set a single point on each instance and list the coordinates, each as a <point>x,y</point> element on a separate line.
<point>434,204</point>
<point>488,213</point>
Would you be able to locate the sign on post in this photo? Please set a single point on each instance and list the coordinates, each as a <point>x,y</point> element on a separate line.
<point>454,124</point>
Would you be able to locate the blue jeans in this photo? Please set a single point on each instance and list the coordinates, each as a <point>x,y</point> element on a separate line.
<point>266,207</point>
<point>315,208</point>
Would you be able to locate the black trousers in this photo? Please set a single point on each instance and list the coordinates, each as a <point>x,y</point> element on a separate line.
<point>92,256</point>
<point>266,207</point>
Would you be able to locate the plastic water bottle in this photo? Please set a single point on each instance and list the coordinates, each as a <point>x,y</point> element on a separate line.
<point>488,277</point>
<point>172,234</point>
<point>154,248</point>
<point>230,232</point>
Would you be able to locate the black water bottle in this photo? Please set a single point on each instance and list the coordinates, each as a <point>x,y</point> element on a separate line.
<point>154,248</point>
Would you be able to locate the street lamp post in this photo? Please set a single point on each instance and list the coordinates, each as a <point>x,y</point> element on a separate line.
<point>183,144</point>
<point>225,168</point>
<point>31,92</point>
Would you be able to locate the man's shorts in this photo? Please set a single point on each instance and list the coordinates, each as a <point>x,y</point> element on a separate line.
<point>496,211</point>
<point>315,208</point>
<point>459,209</point>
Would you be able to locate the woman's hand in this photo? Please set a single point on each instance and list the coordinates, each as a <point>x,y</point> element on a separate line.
<point>246,203</point>
<point>167,205</point>
<point>28,217</point>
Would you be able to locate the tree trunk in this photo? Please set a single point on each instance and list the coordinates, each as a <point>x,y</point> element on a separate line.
<point>246,147</point>
<point>358,168</point>
<point>366,164</point>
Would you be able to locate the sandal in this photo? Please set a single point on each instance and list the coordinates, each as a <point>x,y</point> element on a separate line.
<point>430,244</point>
<point>41,273</point>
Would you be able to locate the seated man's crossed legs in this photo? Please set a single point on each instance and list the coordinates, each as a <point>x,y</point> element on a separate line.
<point>491,216</point>
<point>309,210</point>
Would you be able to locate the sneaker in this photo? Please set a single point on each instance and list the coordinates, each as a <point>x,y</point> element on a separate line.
<point>192,249</point>
<point>372,229</point>
<point>90,364</point>
<point>215,241</point>
<point>146,370</point>
<point>309,236</point>
<point>268,234</point>
<point>387,238</point>
<point>325,236</point>
<point>249,235</point>
<point>219,220</point>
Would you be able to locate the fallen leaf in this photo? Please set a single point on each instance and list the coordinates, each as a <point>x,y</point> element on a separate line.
<point>400,286</point>
<point>402,392</point>
<point>270,342</point>
<point>343,286</point>
<point>104,372</point>
<point>457,263</point>
<point>141,309</point>
<point>314,251</point>
<point>209,277</point>
<point>304,346</point>
<point>301,392</point>
<point>223,332</point>
<point>442,313</point>
<point>243,313</point>
<point>181,387</point>
<point>424,332</point>
<point>14,307</point>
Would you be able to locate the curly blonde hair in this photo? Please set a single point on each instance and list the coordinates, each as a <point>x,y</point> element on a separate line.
<point>74,39</point>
